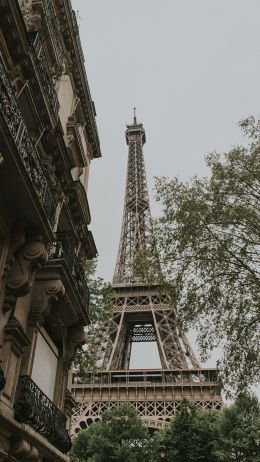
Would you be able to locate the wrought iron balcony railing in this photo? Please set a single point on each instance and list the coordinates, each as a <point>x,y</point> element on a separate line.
<point>46,76</point>
<point>25,146</point>
<point>62,248</point>
<point>34,408</point>
<point>54,28</point>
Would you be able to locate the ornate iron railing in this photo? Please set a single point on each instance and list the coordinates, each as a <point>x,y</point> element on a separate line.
<point>62,248</point>
<point>182,377</point>
<point>54,29</point>
<point>34,408</point>
<point>46,76</point>
<point>81,54</point>
<point>25,146</point>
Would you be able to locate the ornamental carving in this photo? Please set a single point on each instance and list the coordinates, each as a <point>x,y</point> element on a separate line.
<point>23,450</point>
<point>44,295</point>
<point>70,403</point>
<point>75,338</point>
<point>26,260</point>
<point>31,19</point>
<point>49,169</point>
<point>17,240</point>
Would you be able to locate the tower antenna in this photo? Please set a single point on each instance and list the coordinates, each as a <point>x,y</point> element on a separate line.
<point>135,115</point>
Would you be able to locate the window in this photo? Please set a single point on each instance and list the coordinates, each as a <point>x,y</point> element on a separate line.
<point>45,364</point>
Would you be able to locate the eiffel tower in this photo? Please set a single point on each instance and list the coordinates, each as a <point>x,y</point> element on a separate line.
<point>142,312</point>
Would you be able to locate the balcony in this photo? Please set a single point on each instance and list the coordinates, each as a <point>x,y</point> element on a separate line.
<point>51,27</point>
<point>46,77</point>
<point>34,408</point>
<point>17,131</point>
<point>61,250</point>
<point>157,377</point>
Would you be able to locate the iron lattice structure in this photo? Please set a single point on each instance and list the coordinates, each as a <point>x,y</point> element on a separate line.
<point>142,312</point>
<point>136,227</point>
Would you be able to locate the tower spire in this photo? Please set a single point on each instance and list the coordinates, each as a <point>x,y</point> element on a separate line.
<point>135,121</point>
<point>136,226</point>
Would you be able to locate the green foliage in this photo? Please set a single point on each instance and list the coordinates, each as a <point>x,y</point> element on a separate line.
<point>231,434</point>
<point>101,292</point>
<point>208,239</point>
<point>240,431</point>
<point>120,436</point>
<point>192,436</point>
<point>222,436</point>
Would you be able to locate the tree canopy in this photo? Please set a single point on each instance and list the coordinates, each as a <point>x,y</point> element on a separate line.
<point>231,434</point>
<point>239,431</point>
<point>208,240</point>
<point>120,436</point>
<point>193,435</point>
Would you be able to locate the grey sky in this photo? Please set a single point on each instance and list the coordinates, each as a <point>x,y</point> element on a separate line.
<point>191,67</point>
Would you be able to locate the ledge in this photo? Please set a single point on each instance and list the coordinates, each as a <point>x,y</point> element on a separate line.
<point>79,202</point>
<point>25,431</point>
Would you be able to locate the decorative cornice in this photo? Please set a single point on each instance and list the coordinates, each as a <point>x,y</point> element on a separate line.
<point>70,32</point>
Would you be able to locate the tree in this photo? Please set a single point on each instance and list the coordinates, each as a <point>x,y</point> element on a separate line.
<point>208,239</point>
<point>240,431</point>
<point>192,435</point>
<point>120,436</point>
<point>100,308</point>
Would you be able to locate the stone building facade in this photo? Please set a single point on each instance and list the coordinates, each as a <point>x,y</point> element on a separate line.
<point>48,138</point>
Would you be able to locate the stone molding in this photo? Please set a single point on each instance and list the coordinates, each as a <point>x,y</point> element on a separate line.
<point>23,450</point>
<point>18,239</point>
<point>31,19</point>
<point>75,338</point>
<point>15,333</point>
<point>17,431</point>
<point>70,402</point>
<point>44,295</point>
<point>21,266</point>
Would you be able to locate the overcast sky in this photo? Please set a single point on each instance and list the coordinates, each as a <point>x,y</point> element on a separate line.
<point>191,67</point>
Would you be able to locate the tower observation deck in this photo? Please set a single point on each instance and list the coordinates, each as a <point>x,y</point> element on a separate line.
<point>142,312</point>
